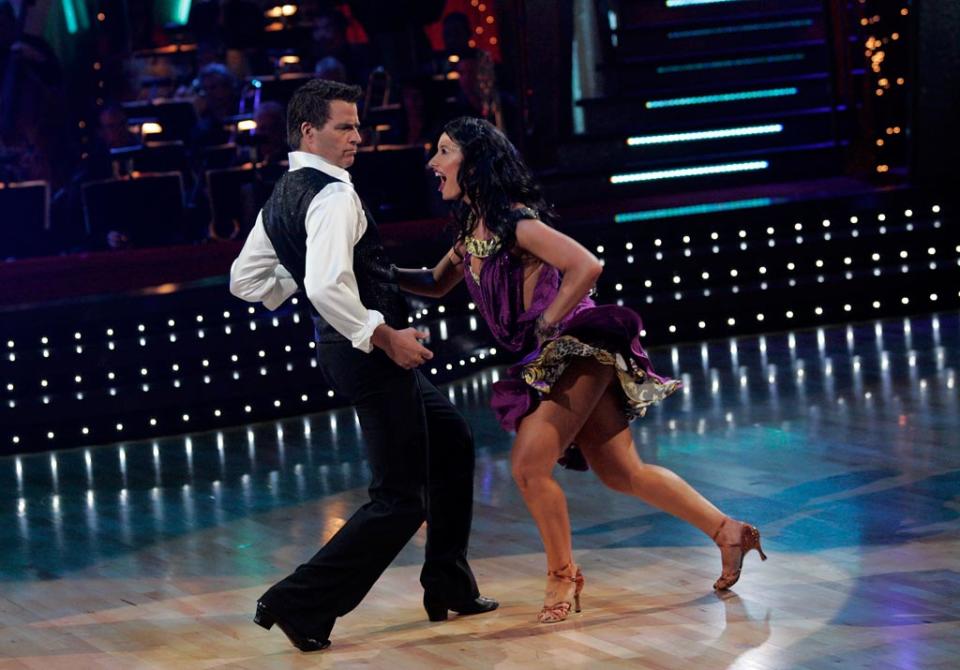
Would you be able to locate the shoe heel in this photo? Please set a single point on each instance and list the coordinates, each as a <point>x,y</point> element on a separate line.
<point>436,611</point>
<point>576,603</point>
<point>263,618</point>
<point>756,542</point>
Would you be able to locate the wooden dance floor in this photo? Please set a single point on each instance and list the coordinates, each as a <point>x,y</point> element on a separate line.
<point>841,444</point>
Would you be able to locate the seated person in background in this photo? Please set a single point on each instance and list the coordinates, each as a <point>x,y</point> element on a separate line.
<point>396,29</point>
<point>33,51</point>
<point>457,35</point>
<point>272,151</point>
<point>474,67</point>
<point>113,130</point>
<point>464,82</point>
<point>67,228</point>
<point>331,69</point>
<point>33,127</point>
<point>329,30</point>
<point>271,133</point>
<point>216,99</point>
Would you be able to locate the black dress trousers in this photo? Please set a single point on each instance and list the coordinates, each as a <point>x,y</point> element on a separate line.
<point>421,455</point>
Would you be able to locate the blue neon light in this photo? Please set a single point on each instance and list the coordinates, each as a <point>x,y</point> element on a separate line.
<point>722,97</point>
<point>183,12</point>
<point>70,16</point>
<point>739,62</point>
<point>697,171</point>
<point>694,136</point>
<point>690,210</point>
<point>745,28</point>
<point>691,3</point>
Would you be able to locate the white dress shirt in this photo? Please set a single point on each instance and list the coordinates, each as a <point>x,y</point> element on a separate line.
<point>335,223</point>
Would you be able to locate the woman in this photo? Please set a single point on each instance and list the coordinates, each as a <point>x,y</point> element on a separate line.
<point>584,375</point>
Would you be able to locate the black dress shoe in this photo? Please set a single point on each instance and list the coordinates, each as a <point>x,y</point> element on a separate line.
<point>437,607</point>
<point>264,617</point>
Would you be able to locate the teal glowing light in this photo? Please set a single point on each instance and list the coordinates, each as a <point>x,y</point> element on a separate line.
<point>690,210</point>
<point>739,62</point>
<point>743,28</point>
<point>70,16</point>
<point>722,97</point>
<point>183,12</point>
<point>691,3</point>
<point>694,136</point>
<point>75,15</point>
<point>176,12</point>
<point>698,171</point>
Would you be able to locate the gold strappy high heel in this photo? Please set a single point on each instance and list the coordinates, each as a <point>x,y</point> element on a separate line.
<point>560,610</point>
<point>749,539</point>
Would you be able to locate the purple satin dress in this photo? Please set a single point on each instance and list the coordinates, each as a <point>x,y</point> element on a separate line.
<point>608,333</point>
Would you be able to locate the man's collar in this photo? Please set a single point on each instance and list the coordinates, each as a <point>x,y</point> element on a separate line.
<point>299,159</point>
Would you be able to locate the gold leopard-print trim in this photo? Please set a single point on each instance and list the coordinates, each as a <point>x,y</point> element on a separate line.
<point>640,391</point>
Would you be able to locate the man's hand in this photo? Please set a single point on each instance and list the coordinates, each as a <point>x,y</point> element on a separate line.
<point>402,346</point>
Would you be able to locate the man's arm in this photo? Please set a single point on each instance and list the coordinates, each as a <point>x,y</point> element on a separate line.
<point>335,224</point>
<point>257,275</point>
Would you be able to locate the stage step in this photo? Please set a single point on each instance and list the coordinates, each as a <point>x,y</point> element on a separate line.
<point>692,140</point>
<point>713,102</point>
<point>681,11</point>
<point>744,31</point>
<point>665,72</point>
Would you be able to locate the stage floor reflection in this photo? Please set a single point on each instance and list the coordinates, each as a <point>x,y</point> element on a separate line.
<point>842,444</point>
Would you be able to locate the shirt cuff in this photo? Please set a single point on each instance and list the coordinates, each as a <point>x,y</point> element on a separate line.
<point>361,340</point>
<point>284,288</point>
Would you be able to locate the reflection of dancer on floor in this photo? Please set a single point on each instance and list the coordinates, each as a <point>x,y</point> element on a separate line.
<point>584,374</point>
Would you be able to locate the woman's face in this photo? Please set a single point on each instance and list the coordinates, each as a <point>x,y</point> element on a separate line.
<point>446,166</point>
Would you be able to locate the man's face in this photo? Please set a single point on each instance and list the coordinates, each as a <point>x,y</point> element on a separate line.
<point>339,138</point>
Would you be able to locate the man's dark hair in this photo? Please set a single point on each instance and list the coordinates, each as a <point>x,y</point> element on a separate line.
<point>311,104</point>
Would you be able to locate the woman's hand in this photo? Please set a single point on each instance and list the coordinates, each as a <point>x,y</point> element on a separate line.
<point>579,267</point>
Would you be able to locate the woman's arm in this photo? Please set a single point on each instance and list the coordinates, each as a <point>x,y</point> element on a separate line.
<point>434,283</point>
<point>580,268</point>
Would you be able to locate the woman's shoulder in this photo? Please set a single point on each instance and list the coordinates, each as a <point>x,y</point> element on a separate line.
<point>519,212</point>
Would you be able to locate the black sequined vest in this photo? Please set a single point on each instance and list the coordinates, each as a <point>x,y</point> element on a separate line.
<point>284,219</point>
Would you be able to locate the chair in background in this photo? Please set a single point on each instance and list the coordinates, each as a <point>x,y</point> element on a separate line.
<point>24,219</point>
<point>176,117</point>
<point>224,191</point>
<point>148,210</point>
<point>170,156</point>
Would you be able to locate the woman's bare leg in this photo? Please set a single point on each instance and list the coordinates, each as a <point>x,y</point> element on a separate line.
<point>607,444</point>
<point>541,439</point>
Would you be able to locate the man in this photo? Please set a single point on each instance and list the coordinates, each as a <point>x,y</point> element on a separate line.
<point>216,100</point>
<point>332,51</point>
<point>315,235</point>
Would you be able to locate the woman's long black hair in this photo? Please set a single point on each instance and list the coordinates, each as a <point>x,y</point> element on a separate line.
<point>493,177</point>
